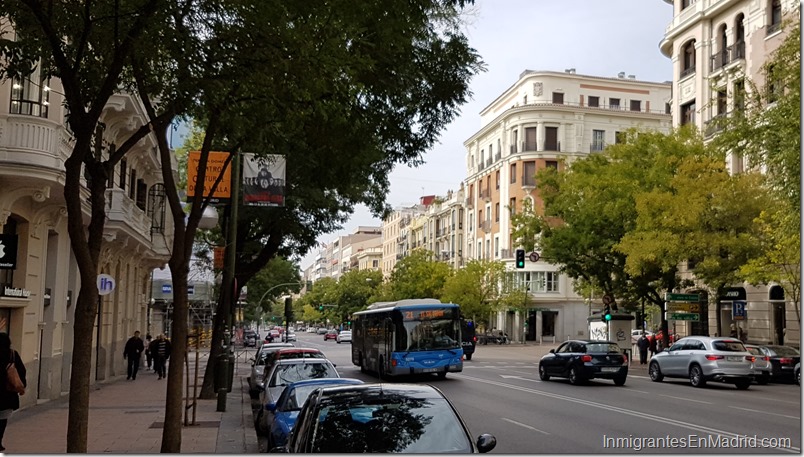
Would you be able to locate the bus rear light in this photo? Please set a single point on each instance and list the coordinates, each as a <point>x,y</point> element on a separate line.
<point>393,362</point>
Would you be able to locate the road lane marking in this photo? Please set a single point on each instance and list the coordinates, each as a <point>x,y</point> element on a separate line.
<point>686,399</point>
<point>639,391</point>
<point>765,412</point>
<point>629,412</point>
<point>519,377</point>
<point>523,425</point>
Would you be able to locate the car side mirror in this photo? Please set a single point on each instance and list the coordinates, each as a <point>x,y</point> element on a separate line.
<point>552,351</point>
<point>486,442</point>
<point>271,407</point>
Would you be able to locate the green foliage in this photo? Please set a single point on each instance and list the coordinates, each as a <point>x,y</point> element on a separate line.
<point>477,288</point>
<point>419,275</point>
<point>280,277</point>
<point>355,291</point>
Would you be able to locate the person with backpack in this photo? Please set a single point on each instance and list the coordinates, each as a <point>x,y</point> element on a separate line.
<point>9,399</point>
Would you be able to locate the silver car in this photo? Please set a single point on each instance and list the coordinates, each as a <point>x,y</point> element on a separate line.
<point>258,366</point>
<point>703,358</point>
<point>761,365</point>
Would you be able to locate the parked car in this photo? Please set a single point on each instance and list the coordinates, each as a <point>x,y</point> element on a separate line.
<point>258,366</point>
<point>797,371</point>
<point>783,360</point>
<point>287,407</point>
<point>250,338</point>
<point>291,353</point>
<point>331,335</point>
<point>344,337</point>
<point>581,360</point>
<point>761,366</point>
<point>289,336</point>
<point>322,331</point>
<point>702,358</point>
<point>285,372</point>
<point>383,418</point>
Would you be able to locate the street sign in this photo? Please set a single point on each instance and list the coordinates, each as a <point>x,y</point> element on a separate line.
<point>683,316</point>
<point>608,299</point>
<point>691,298</point>
<point>738,312</point>
<point>683,307</point>
<point>534,256</point>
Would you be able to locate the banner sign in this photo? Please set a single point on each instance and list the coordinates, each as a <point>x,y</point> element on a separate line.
<point>264,180</point>
<point>8,252</point>
<point>216,164</point>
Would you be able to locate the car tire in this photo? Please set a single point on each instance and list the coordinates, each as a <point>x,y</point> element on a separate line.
<point>258,423</point>
<point>798,377</point>
<point>655,372</point>
<point>743,385</point>
<point>441,374</point>
<point>619,381</point>
<point>696,376</point>
<point>763,379</point>
<point>574,377</point>
<point>543,374</point>
<point>337,341</point>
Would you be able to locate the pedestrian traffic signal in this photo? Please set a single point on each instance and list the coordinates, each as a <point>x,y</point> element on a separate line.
<point>520,258</point>
<point>605,315</point>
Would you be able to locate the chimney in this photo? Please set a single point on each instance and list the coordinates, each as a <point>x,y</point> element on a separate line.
<point>631,76</point>
<point>621,74</point>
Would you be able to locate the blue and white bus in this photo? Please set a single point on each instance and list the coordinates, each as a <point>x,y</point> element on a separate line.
<point>408,337</point>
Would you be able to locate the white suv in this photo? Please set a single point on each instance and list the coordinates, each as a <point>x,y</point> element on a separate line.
<point>704,358</point>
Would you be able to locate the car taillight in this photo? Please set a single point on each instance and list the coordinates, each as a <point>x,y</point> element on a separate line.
<point>786,361</point>
<point>474,338</point>
<point>625,359</point>
<point>766,358</point>
<point>750,358</point>
<point>586,358</point>
<point>713,357</point>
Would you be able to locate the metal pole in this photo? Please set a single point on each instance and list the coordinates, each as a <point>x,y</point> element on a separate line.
<point>98,342</point>
<point>195,383</point>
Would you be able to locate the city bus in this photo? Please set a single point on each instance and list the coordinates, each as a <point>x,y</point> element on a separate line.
<point>408,337</point>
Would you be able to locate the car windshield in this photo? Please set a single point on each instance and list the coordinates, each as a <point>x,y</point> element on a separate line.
<point>301,355</point>
<point>784,351</point>
<point>602,347</point>
<point>296,398</point>
<point>728,346</point>
<point>288,373</point>
<point>389,423</point>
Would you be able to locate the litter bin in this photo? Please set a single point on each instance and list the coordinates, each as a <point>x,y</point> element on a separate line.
<point>224,372</point>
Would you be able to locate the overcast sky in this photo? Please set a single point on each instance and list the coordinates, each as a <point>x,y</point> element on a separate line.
<point>596,37</point>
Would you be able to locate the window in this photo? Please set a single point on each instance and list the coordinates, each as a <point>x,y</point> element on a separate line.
<point>375,263</point>
<point>497,212</point>
<point>123,171</point>
<point>132,188</point>
<point>497,179</point>
<point>529,173</point>
<point>686,3</point>
<point>597,140</point>
<point>10,228</point>
<point>530,139</point>
<point>688,58</point>
<point>739,96</point>
<point>636,105</point>
<point>619,137</point>
<point>721,102</point>
<point>479,217</point>
<point>551,164</point>
<point>614,103</point>
<point>775,16</point>
<point>142,191</point>
<point>30,96</point>
<point>496,246</point>
<point>551,139</point>
<point>512,206</point>
<point>688,113</point>
<point>774,85</point>
<point>558,98</point>
<point>513,173</point>
<point>514,141</point>
<point>594,102</point>
<point>544,281</point>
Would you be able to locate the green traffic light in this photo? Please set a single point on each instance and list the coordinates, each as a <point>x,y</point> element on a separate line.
<point>607,317</point>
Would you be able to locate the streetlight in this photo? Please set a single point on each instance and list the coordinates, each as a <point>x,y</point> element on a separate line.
<point>259,303</point>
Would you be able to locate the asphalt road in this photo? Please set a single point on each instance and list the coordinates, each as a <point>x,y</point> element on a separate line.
<point>499,392</point>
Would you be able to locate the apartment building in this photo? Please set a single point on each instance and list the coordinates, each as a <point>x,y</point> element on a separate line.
<point>716,48</point>
<point>395,244</point>
<point>443,228</point>
<point>545,119</point>
<point>338,257</point>
<point>39,285</point>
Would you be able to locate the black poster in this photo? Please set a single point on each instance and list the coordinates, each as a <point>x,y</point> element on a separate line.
<point>8,252</point>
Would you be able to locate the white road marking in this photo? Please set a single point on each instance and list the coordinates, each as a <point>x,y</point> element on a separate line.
<point>686,399</point>
<point>765,412</point>
<point>519,377</point>
<point>523,425</point>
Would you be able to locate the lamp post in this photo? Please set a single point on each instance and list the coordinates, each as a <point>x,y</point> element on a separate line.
<point>259,303</point>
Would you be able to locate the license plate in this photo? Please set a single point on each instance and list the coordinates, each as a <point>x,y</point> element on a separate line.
<point>609,369</point>
<point>733,358</point>
<point>464,343</point>
<point>430,370</point>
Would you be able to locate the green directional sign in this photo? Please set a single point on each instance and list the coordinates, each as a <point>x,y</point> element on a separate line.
<point>683,307</point>
<point>691,298</point>
<point>683,317</point>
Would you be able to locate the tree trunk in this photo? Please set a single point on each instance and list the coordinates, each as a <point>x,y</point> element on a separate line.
<point>219,320</point>
<point>171,432</point>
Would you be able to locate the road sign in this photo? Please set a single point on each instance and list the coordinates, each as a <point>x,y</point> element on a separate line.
<point>738,312</point>
<point>106,284</point>
<point>691,298</point>
<point>683,307</point>
<point>683,316</point>
<point>608,299</point>
<point>534,256</point>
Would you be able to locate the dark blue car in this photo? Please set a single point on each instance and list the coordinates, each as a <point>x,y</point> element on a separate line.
<point>287,407</point>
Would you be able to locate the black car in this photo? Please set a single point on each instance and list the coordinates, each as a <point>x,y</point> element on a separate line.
<point>783,360</point>
<point>250,338</point>
<point>581,360</point>
<point>362,418</point>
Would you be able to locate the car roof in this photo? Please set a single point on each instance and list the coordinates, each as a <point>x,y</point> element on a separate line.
<point>324,381</point>
<point>277,345</point>
<point>300,350</point>
<point>418,390</point>
<point>711,338</point>
<point>591,341</point>
<point>305,360</point>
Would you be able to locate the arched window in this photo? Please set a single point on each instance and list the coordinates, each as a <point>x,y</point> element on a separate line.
<point>775,17</point>
<point>739,38</point>
<point>688,58</point>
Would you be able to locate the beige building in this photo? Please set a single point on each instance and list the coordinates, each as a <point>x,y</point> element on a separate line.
<point>545,119</point>
<point>39,286</point>
<point>395,243</point>
<point>339,256</point>
<point>443,230</point>
<point>716,47</point>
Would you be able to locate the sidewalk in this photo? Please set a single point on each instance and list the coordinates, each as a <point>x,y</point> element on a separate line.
<point>126,417</point>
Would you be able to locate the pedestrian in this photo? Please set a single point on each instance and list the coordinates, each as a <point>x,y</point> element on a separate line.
<point>148,357</point>
<point>133,352</point>
<point>643,344</point>
<point>652,346</point>
<point>160,351</point>
<point>9,401</point>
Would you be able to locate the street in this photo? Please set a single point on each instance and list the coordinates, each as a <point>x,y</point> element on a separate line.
<point>499,392</point>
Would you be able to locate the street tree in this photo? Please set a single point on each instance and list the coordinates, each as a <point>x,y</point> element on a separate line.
<point>419,275</point>
<point>355,290</point>
<point>280,277</point>
<point>477,288</point>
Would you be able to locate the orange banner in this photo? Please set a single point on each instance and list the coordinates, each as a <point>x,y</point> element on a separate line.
<point>216,164</point>
<point>219,257</point>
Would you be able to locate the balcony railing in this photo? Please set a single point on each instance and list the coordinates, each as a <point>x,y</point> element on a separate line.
<point>497,156</point>
<point>725,56</point>
<point>480,165</point>
<point>773,28</point>
<point>485,226</point>
<point>485,194</point>
<point>597,147</point>
<point>505,254</point>
<point>687,72</point>
<point>470,202</point>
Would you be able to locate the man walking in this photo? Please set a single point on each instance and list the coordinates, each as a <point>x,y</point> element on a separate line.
<point>643,344</point>
<point>132,351</point>
<point>160,351</point>
<point>148,358</point>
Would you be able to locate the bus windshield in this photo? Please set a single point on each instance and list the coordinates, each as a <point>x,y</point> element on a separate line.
<point>429,335</point>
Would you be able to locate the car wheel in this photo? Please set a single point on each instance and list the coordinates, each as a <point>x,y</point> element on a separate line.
<point>337,341</point>
<point>258,423</point>
<point>619,381</point>
<point>575,378</point>
<point>543,374</point>
<point>655,372</point>
<point>696,376</point>
<point>763,379</point>
<point>441,374</point>
<point>742,385</point>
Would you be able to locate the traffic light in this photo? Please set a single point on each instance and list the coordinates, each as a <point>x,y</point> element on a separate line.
<point>321,307</point>
<point>520,258</point>
<point>288,309</point>
<point>605,315</point>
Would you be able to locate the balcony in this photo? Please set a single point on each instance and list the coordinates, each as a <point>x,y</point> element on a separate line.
<point>505,254</point>
<point>597,146</point>
<point>470,202</point>
<point>488,162</point>
<point>687,72</point>
<point>770,29</point>
<point>497,156</point>
<point>485,226</point>
<point>480,166</point>
<point>485,195</point>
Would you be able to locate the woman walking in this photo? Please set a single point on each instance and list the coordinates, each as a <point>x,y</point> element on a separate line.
<point>9,401</point>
